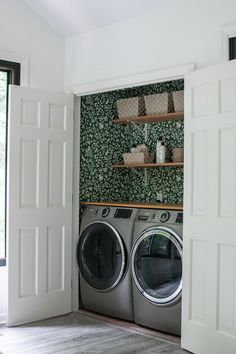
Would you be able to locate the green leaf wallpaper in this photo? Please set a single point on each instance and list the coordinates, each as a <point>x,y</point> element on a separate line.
<point>103,143</point>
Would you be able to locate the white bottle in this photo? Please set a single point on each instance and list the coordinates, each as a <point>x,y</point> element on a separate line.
<point>162,153</point>
<point>158,150</point>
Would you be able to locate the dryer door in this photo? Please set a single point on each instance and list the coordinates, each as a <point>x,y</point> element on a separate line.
<point>101,256</point>
<point>157,265</point>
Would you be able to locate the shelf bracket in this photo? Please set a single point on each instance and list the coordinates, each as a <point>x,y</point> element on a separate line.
<point>143,175</point>
<point>144,130</point>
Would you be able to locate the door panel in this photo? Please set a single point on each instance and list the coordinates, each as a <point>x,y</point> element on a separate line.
<point>30,113</point>
<point>198,282</point>
<point>39,204</point>
<point>55,258</point>
<point>227,171</point>
<point>227,290</point>
<point>29,173</point>
<point>199,163</point>
<point>57,116</point>
<point>56,173</point>
<point>228,94</point>
<point>28,254</point>
<point>209,290</point>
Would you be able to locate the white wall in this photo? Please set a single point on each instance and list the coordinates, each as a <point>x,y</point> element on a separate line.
<point>181,32</point>
<point>23,33</point>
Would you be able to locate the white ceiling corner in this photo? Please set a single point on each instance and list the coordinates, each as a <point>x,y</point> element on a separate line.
<point>71,17</point>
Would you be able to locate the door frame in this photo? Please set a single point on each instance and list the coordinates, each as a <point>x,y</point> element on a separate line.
<point>141,79</point>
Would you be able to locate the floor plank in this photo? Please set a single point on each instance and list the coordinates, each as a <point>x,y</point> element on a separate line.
<point>85,333</point>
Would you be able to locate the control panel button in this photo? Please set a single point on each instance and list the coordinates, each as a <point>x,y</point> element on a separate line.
<point>105,212</point>
<point>143,217</point>
<point>164,217</point>
<point>179,219</point>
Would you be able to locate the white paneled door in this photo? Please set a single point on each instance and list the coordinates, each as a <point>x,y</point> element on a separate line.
<point>209,275</point>
<point>39,217</point>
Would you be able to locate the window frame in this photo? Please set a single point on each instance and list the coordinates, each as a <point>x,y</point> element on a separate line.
<point>13,70</point>
<point>228,32</point>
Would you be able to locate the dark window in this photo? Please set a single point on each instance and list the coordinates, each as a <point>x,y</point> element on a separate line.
<point>9,74</point>
<point>232,48</point>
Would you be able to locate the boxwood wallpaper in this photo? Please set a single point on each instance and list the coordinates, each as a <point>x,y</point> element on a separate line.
<point>103,143</point>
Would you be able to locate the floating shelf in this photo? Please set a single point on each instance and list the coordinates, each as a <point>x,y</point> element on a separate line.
<point>150,165</point>
<point>150,119</point>
<point>138,205</point>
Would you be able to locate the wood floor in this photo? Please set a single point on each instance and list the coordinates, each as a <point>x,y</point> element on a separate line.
<point>83,333</point>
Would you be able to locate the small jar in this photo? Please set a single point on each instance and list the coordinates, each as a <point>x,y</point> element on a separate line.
<point>178,155</point>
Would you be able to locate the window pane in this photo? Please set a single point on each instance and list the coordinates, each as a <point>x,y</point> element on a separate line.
<point>232,48</point>
<point>3,107</point>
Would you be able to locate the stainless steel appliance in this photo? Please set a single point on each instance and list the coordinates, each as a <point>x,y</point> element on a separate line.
<point>156,261</point>
<point>103,257</point>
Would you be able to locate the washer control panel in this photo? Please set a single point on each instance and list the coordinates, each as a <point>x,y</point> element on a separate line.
<point>160,216</point>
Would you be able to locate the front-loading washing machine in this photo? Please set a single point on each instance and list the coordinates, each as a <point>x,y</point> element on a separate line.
<point>103,257</point>
<point>156,261</point>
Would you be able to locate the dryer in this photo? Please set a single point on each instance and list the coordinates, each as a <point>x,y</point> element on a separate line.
<point>156,261</point>
<point>103,257</point>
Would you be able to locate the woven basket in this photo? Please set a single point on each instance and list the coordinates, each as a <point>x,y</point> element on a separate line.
<point>133,158</point>
<point>130,107</point>
<point>158,103</point>
<point>178,97</point>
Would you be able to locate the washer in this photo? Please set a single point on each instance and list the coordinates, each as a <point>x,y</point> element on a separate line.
<point>156,261</point>
<point>103,257</point>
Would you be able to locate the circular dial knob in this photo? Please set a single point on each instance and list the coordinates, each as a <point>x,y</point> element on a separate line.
<point>164,217</point>
<point>105,212</point>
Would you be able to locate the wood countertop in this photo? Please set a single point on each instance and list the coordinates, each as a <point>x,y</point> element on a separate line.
<point>138,205</point>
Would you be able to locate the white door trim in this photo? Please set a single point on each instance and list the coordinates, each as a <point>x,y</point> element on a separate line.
<point>150,77</point>
<point>22,60</point>
<point>75,204</point>
<point>146,78</point>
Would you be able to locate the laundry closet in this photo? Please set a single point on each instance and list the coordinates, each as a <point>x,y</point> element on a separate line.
<point>130,244</point>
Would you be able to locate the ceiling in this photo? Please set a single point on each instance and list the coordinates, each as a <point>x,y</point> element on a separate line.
<point>70,17</point>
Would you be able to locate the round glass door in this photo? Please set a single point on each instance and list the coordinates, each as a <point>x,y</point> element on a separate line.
<point>101,256</point>
<point>157,265</point>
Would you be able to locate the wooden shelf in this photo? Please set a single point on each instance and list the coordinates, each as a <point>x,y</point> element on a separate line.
<point>150,165</point>
<point>150,119</point>
<point>138,205</point>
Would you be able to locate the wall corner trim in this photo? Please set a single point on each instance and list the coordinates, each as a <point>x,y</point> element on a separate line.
<point>145,78</point>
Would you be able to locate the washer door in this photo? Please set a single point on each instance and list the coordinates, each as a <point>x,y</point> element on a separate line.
<point>157,265</point>
<point>101,256</point>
